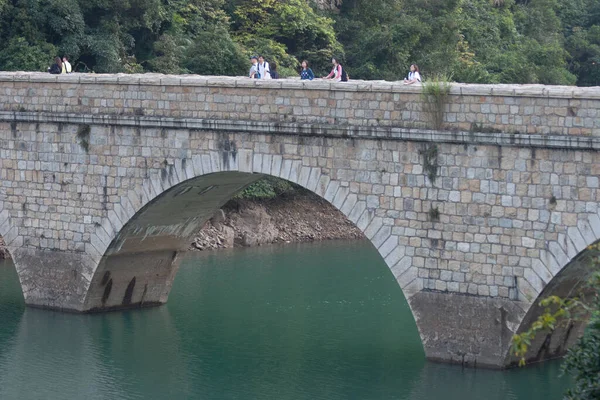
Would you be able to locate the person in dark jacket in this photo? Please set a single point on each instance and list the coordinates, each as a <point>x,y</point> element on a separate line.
<point>57,67</point>
<point>306,72</point>
<point>274,73</point>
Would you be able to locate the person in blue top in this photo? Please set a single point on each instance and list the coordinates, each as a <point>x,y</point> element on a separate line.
<point>306,73</point>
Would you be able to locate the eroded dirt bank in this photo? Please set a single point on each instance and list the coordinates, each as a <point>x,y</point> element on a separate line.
<point>299,217</point>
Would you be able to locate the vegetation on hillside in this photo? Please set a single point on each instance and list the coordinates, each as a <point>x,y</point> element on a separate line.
<point>485,41</point>
<point>268,187</point>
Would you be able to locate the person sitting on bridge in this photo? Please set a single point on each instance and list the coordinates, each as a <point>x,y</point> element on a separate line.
<point>254,68</point>
<point>57,67</point>
<point>66,65</point>
<point>413,76</point>
<point>274,73</point>
<point>306,73</point>
<point>337,72</point>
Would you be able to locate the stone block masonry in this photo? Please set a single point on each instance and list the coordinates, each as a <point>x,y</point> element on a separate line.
<point>105,178</point>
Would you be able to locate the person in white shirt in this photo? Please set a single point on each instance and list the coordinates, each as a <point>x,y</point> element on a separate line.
<point>263,68</point>
<point>413,76</point>
<point>254,68</point>
<point>66,64</point>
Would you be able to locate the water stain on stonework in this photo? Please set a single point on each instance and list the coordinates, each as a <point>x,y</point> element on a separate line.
<point>106,293</point>
<point>144,293</point>
<point>129,293</point>
<point>105,278</point>
<point>13,129</point>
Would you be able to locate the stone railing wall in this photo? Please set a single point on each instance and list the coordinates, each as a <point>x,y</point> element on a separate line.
<point>510,109</point>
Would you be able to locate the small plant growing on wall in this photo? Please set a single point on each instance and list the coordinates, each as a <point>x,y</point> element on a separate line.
<point>436,93</point>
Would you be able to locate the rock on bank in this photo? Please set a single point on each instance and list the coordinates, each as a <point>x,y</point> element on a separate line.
<point>299,217</point>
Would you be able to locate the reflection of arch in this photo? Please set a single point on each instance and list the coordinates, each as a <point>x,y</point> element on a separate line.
<point>174,202</point>
<point>562,270</point>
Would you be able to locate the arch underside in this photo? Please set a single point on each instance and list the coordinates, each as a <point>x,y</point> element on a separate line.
<point>140,264</point>
<point>570,282</point>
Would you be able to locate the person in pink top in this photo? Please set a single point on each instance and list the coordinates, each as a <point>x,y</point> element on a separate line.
<point>336,72</point>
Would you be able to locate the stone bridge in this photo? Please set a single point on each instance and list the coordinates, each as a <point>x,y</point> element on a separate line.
<point>105,178</point>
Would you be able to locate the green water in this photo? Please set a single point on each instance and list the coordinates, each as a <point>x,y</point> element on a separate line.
<point>311,321</point>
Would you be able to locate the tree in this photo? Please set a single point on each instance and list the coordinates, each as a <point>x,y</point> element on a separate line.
<point>582,361</point>
<point>289,31</point>
<point>214,53</point>
<point>19,55</point>
<point>484,41</point>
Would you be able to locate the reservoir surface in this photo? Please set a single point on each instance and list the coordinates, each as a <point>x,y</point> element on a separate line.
<point>302,321</point>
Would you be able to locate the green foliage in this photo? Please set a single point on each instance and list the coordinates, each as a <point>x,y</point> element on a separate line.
<point>286,32</point>
<point>169,50</point>
<point>271,50</point>
<point>267,188</point>
<point>19,55</point>
<point>214,53</point>
<point>582,361</point>
<point>480,41</point>
<point>483,41</point>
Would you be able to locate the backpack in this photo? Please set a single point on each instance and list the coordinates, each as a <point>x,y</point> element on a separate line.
<point>344,75</point>
<point>55,69</point>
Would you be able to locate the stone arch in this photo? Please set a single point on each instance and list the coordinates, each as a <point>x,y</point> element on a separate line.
<point>562,270</point>
<point>200,175</point>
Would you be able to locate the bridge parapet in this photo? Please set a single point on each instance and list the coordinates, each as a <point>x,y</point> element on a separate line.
<point>509,109</point>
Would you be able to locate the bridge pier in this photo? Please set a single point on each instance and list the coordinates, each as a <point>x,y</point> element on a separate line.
<point>468,330</point>
<point>54,279</point>
<point>133,280</point>
<point>66,281</point>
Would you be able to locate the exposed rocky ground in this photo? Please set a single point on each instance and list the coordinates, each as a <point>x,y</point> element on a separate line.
<point>297,218</point>
<point>330,5</point>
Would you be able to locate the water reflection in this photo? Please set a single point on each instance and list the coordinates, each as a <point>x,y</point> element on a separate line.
<point>45,354</point>
<point>323,321</point>
<point>438,381</point>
